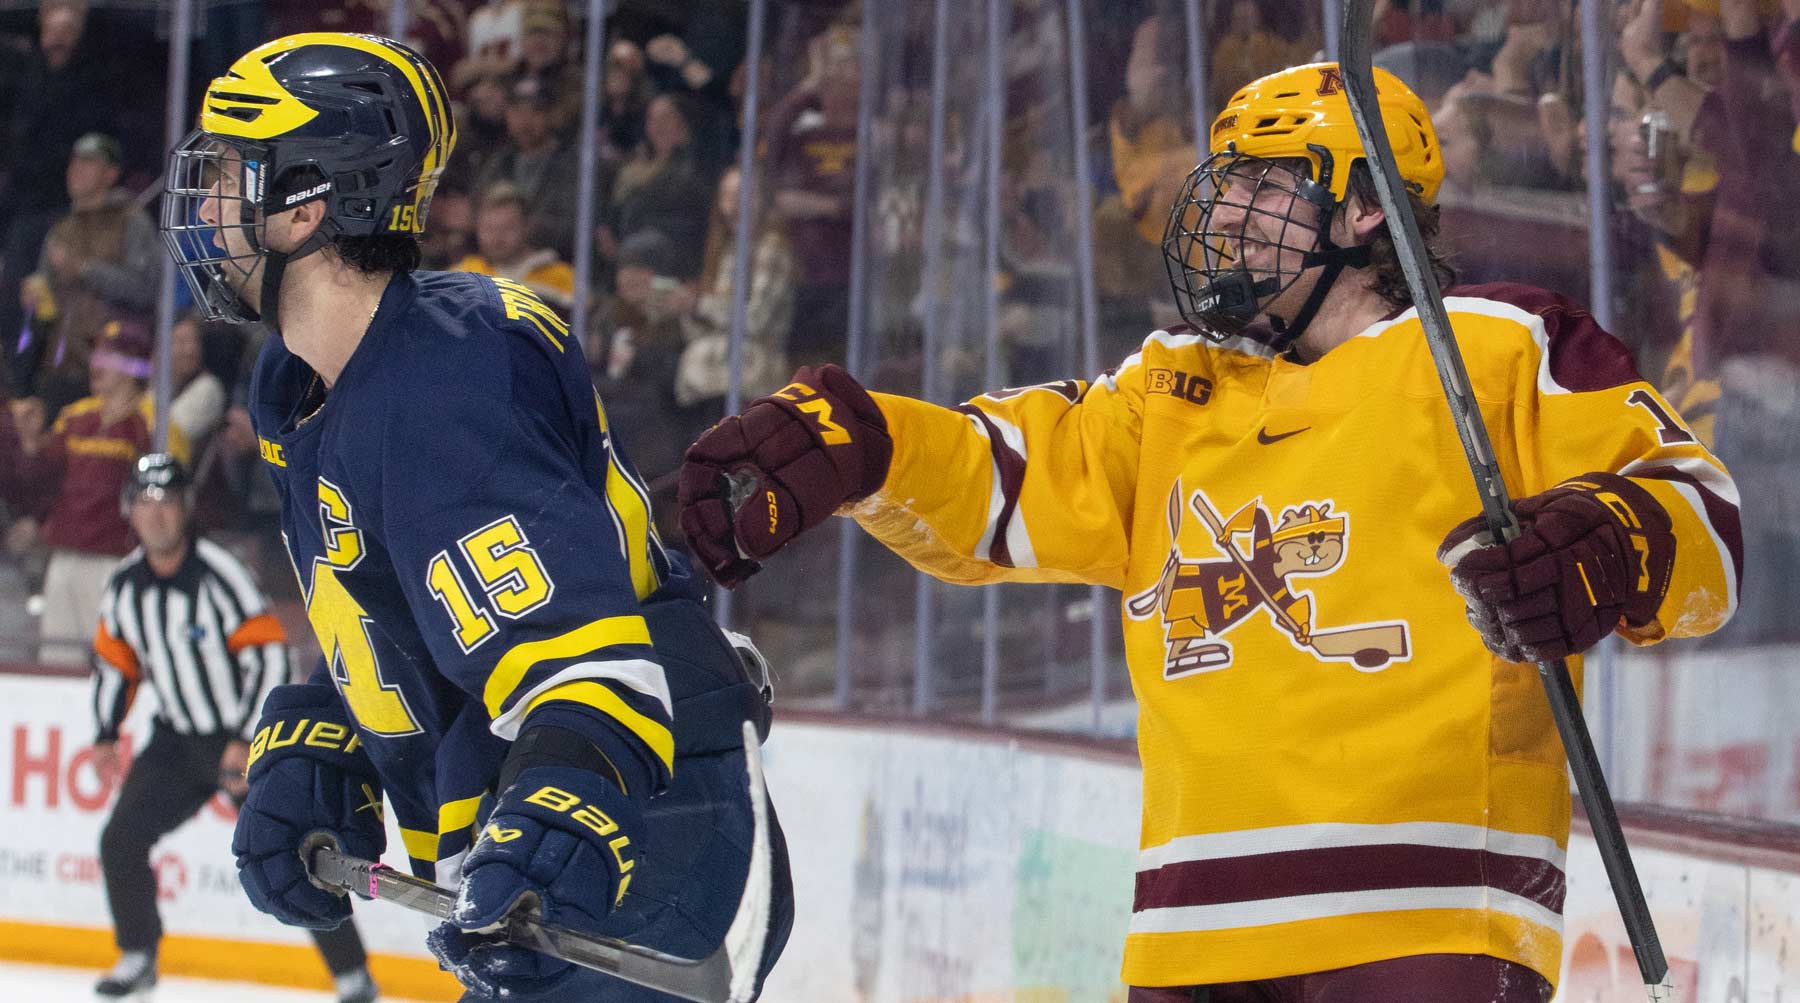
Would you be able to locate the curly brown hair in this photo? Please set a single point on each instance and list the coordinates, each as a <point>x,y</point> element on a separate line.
<point>1388,278</point>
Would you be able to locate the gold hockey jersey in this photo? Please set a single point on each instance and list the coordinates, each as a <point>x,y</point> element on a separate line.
<point>1335,770</point>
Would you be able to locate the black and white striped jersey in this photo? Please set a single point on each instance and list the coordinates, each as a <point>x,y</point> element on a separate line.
<point>203,639</point>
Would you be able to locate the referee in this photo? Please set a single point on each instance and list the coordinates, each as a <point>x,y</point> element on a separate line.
<point>184,615</point>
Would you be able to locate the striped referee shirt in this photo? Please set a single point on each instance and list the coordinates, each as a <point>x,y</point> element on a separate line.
<point>203,638</point>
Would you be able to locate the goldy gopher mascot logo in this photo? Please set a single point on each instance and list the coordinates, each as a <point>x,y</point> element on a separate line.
<point>1202,600</point>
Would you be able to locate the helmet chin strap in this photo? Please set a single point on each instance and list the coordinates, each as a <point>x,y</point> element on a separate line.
<point>1335,259</point>
<point>276,262</point>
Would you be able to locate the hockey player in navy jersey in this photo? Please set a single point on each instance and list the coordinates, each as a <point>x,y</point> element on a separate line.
<point>512,660</point>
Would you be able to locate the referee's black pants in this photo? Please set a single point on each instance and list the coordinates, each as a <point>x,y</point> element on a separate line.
<point>170,781</point>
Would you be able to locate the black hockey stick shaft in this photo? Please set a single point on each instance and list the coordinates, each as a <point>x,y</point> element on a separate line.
<point>1359,82</point>
<point>727,975</point>
<point>706,980</point>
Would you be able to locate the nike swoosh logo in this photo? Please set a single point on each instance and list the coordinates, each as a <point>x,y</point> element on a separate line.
<point>1263,436</point>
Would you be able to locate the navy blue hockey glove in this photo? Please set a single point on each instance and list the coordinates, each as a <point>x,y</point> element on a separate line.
<point>308,774</point>
<point>561,842</point>
<point>1593,552</point>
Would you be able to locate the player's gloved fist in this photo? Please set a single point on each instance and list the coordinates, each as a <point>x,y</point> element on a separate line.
<point>562,842</point>
<point>756,479</point>
<point>1594,551</point>
<point>308,774</point>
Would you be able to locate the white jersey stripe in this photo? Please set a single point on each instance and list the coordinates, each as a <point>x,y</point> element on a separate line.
<point>645,677</point>
<point>1299,908</point>
<point>1321,835</point>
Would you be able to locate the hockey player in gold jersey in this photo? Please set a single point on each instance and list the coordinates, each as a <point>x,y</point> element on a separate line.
<point>1353,787</point>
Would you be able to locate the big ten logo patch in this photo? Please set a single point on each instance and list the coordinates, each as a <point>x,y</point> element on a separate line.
<point>1179,385</point>
<point>1201,600</point>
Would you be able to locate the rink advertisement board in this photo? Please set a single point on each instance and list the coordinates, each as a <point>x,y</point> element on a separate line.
<point>930,865</point>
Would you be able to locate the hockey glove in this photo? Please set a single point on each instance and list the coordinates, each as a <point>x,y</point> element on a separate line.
<point>561,841</point>
<point>308,773</point>
<point>755,480</point>
<point>1594,551</point>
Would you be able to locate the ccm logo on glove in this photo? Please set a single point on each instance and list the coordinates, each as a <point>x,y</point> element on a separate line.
<point>808,401</point>
<point>1592,552</point>
<point>755,480</point>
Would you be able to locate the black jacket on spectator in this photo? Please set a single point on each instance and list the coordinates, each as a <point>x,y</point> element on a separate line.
<point>675,201</point>
<point>50,110</point>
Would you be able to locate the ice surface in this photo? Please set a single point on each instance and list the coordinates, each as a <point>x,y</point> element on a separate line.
<point>46,984</point>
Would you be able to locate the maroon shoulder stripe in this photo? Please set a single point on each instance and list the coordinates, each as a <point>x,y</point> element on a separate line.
<point>1339,869</point>
<point>1010,467</point>
<point>1583,356</point>
<point>1720,513</point>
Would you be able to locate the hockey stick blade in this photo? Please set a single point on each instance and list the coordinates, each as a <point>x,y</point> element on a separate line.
<point>728,975</point>
<point>1357,29</point>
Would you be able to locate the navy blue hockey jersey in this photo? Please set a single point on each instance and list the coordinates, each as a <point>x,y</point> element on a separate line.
<point>472,543</point>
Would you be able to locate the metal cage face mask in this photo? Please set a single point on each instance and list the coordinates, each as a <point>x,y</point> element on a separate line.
<point>229,180</point>
<point>1241,232</point>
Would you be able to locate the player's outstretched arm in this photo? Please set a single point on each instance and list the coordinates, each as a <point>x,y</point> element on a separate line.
<point>1032,484</point>
<point>756,480</point>
<point>308,774</point>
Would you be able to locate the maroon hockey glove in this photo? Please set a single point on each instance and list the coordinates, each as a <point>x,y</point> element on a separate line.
<point>1593,551</point>
<point>754,481</point>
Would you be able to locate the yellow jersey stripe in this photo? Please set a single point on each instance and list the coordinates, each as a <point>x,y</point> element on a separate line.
<point>631,505</point>
<point>420,845</point>
<point>587,638</point>
<point>601,697</point>
<point>455,816</point>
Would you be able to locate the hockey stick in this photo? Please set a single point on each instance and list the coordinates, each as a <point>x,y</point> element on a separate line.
<point>728,975</point>
<point>1356,30</point>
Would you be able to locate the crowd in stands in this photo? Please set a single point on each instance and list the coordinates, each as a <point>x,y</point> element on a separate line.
<point>1702,135</point>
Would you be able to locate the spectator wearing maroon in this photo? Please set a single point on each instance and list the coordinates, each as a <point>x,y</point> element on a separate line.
<point>99,261</point>
<point>68,485</point>
<point>812,171</point>
<point>660,188</point>
<point>539,163</point>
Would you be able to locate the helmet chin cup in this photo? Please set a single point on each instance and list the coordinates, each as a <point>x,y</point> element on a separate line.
<point>1233,299</point>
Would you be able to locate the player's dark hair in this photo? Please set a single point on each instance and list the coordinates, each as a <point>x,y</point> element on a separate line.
<point>370,255</point>
<point>379,253</point>
<point>1388,278</point>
